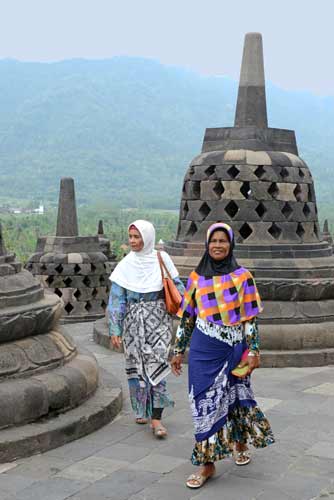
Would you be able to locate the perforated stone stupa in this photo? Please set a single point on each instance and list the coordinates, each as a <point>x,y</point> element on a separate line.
<point>42,374</point>
<point>73,267</point>
<point>251,177</point>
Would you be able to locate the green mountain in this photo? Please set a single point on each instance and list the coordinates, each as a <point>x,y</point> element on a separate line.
<point>126,128</point>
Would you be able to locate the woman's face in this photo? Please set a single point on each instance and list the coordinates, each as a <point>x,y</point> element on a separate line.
<point>219,246</point>
<point>135,240</point>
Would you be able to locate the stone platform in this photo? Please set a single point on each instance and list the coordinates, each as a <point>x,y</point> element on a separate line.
<point>50,433</point>
<point>123,461</point>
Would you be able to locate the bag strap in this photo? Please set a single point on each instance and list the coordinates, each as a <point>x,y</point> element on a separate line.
<point>163,267</point>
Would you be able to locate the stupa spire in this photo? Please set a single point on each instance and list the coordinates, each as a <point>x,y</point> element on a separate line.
<point>100,229</point>
<point>251,104</point>
<point>67,221</point>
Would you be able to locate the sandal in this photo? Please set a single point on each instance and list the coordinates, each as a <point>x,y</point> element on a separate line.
<point>141,421</point>
<point>243,457</point>
<point>159,431</point>
<point>197,480</point>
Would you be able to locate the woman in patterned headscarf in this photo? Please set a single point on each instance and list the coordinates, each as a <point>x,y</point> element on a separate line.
<point>218,313</point>
<point>138,316</point>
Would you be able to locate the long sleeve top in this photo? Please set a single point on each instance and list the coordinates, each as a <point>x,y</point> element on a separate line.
<point>187,324</point>
<point>120,297</point>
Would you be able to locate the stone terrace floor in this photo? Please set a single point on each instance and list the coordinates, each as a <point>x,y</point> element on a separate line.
<point>124,461</point>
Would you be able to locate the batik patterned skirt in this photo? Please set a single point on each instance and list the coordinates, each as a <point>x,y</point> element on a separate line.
<point>147,334</point>
<point>223,407</point>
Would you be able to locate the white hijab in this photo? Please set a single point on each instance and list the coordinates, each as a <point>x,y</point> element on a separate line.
<point>140,271</point>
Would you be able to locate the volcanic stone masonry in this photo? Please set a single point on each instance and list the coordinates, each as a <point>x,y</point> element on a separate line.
<point>251,177</point>
<point>74,267</point>
<point>42,374</point>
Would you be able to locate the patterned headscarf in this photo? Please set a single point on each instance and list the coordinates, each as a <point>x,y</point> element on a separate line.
<point>208,266</point>
<point>221,292</point>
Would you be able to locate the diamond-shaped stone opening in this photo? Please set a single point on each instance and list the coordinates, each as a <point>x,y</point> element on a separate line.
<point>260,171</point>
<point>58,292</point>
<point>310,196</point>
<point>43,267</point>
<point>245,231</point>
<point>245,189</point>
<point>273,190</point>
<point>297,192</point>
<point>316,230</point>
<point>306,210</point>
<point>92,267</point>
<point>219,189</point>
<point>197,189</point>
<point>77,294</point>
<point>233,172</point>
<point>191,170</point>
<point>68,281</point>
<point>88,306</point>
<point>300,230</point>
<point>185,210</point>
<point>301,173</point>
<point>232,209</point>
<point>192,229</point>
<point>287,210</point>
<point>49,280</point>
<point>211,170</point>
<point>77,268</point>
<point>204,210</point>
<point>275,231</point>
<point>86,281</point>
<point>59,268</point>
<point>284,172</point>
<point>103,304</point>
<point>94,293</point>
<point>260,210</point>
<point>68,308</point>
<point>101,280</point>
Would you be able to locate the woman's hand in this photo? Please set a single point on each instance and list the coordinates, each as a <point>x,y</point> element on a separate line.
<point>116,341</point>
<point>176,364</point>
<point>252,361</point>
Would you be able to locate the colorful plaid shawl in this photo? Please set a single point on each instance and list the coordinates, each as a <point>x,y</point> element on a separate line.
<point>225,300</point>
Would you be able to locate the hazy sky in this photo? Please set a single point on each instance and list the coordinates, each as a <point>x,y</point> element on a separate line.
<point>203,35</point>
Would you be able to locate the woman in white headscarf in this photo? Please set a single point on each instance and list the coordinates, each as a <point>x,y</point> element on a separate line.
<point>138,316</point>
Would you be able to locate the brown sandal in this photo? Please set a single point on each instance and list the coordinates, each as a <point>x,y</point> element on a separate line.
<point>159,431</point>
<point>141,421</point>
<point>197,480</point>
<point>242,457</point>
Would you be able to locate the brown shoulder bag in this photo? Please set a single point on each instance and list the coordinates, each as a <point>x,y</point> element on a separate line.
<point>172,295</point>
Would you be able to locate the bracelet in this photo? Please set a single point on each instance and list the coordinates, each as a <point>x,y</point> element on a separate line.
<point>253,354</point>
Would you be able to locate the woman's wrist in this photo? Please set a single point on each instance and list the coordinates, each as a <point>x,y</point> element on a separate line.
<point>253,353</point>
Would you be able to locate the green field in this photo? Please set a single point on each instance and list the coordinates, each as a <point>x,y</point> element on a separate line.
<point>20,231</point>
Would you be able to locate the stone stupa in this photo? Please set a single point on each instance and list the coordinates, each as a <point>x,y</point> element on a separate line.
<point>74,267</point>
<point>251,177</point>
<point>42,373</point>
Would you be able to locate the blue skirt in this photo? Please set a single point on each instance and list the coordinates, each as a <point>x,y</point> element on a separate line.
<point>213,391</point>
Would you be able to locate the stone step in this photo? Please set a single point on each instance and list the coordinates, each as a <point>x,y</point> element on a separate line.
<point>299,359</point>
<point>46,434</point>
<point>269,358</point>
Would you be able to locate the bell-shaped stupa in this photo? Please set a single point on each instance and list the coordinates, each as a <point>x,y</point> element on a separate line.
<point>42,372</point>
<point>251,177</point>
<point>73,267</point>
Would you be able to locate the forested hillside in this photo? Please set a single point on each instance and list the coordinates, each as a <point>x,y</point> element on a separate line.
<point>126,129</point>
